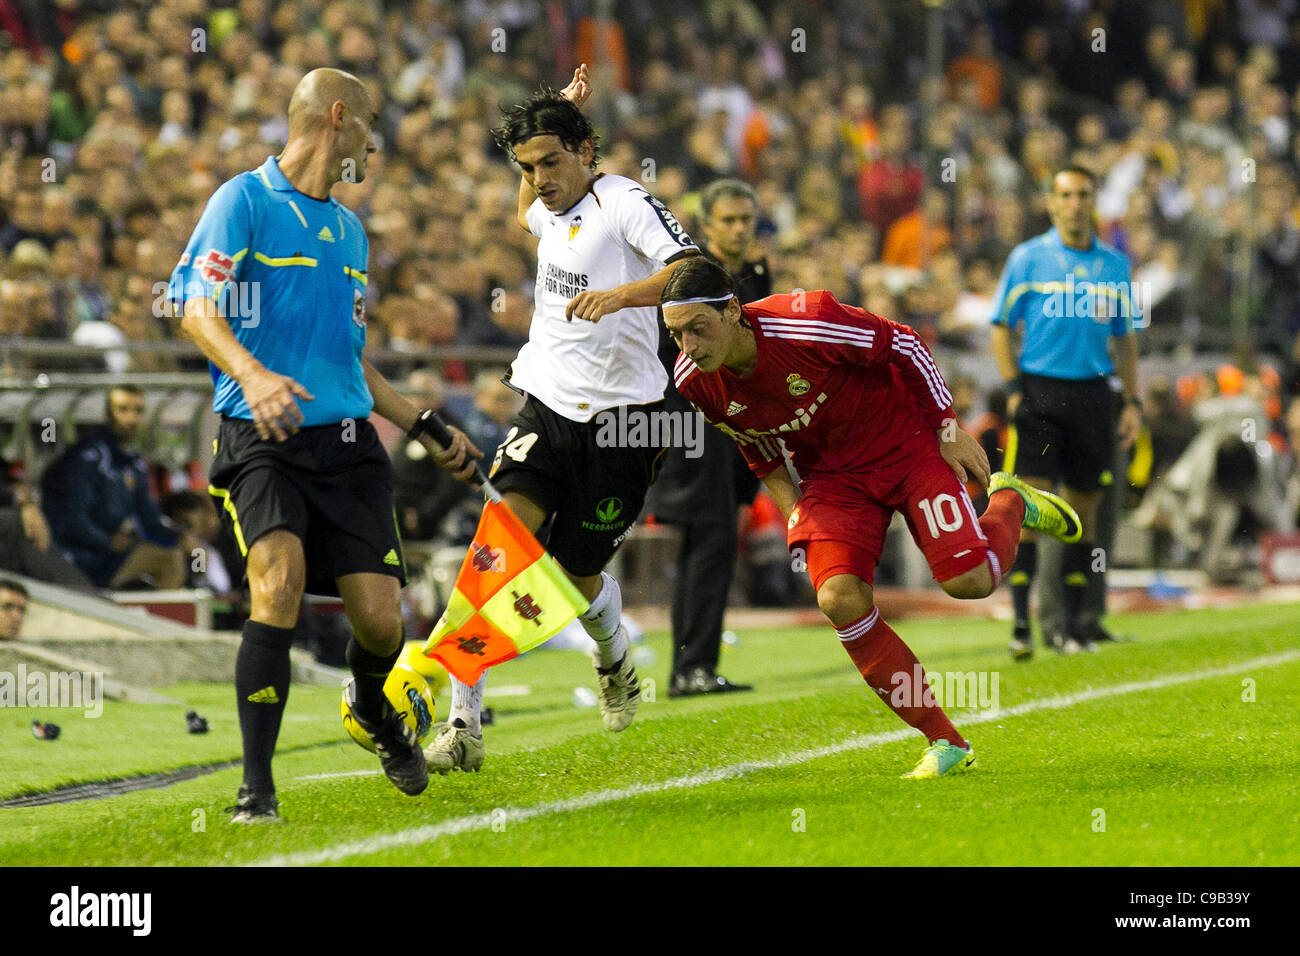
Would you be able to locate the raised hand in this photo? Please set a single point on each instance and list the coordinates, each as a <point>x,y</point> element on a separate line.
<point>579,87</point>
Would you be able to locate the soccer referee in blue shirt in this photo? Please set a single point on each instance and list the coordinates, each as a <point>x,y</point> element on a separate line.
<point>272,287</point>
<point>1071,294</point>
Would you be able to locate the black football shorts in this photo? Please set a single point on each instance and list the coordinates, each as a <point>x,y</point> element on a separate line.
<point>1064,431</point>
<point>330,485</point>
<point>590,477</point>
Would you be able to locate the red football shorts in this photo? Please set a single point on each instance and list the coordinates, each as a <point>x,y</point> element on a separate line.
<point>840,520</point>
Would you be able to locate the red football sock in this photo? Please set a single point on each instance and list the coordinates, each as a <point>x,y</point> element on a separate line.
<point>880,655</point>
<point>1001,522</point>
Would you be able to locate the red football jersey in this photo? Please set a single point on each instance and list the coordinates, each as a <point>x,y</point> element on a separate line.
<point>842,389</point>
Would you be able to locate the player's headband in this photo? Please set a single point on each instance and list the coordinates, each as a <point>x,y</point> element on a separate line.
<point>695,301</point>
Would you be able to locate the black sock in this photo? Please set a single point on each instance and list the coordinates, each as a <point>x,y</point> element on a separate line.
<point>370,671</point>
<point>1076,564</point>
<point>1021,578</point>
<point>261,691</point>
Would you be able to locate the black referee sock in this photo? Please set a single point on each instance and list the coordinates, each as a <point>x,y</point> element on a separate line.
<point>370,671</point>
<point>261,691</point>
<point>1021,578</point>
<point>1076,562</point>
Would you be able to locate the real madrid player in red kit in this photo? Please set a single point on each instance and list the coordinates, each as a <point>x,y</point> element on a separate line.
<point>860,407</point>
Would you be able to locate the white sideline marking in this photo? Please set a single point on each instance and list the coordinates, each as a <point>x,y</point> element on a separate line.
<point>484,821</point>
<point>342,773</point>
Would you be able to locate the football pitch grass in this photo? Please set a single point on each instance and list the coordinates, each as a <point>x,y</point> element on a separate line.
<point>1173,750</point>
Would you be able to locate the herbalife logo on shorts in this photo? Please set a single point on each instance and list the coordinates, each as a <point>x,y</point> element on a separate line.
<point>607,515</point>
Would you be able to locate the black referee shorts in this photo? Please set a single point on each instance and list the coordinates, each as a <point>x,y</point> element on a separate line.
<point>330,485</point>
<point>592,488</point>
<point>1064,431</point>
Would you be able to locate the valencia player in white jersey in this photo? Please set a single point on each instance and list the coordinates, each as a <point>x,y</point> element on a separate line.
<point>605,249</point>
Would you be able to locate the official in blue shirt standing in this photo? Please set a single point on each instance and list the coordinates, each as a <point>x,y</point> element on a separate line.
<point>1071,296</point>
<point>272,288</point>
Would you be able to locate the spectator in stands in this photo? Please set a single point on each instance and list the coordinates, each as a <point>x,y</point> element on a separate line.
<point>25,542</point>
<point>23,220</point>
<point>495,406</point>
<point>100,507</point>
<point>890,186</point>
<point>916,238</point>
<point>979,64</point>
<point>214,561</point>
<point>13,608</point>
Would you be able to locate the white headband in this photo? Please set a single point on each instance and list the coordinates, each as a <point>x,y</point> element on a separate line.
<point>704,298</point>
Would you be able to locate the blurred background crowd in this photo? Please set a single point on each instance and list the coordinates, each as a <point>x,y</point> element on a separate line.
<point>895,164</point>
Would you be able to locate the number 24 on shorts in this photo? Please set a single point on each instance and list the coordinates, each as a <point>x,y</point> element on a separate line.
<point>942,513</point>
<point>517,448</point>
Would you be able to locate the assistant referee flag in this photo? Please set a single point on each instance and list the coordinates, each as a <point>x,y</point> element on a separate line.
<point>510,596</point>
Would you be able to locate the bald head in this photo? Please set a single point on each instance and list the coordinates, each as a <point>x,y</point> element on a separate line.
<point>315,95</point>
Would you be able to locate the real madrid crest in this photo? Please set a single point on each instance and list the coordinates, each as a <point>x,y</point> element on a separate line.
<point>798,386</point>
<point>359,308</point>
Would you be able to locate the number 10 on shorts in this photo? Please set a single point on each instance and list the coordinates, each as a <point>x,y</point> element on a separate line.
<point>942,513</point>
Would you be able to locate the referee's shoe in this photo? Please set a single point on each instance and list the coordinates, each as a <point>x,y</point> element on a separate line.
<point>399,751</point>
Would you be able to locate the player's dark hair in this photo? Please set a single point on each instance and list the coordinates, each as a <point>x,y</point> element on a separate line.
<point>699,277</point>
<point>546,113</point>
<point>1073,168</point>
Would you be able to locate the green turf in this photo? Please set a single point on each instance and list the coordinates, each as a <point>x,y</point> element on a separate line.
<point>1188,774</point>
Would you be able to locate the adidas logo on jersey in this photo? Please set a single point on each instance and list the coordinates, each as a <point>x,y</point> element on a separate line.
<point>325,234</point>
<point>266,695</point>
<point>735,408</point>
<point>392,558</point>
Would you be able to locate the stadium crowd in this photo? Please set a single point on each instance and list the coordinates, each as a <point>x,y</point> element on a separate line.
<point>889,187</point>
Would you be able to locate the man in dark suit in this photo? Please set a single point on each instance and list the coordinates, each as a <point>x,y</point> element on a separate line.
<point>701,495</point>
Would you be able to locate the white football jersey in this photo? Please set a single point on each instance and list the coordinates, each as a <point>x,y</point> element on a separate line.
<point>616,234</point>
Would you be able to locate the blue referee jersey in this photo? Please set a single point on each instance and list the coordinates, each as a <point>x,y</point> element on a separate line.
<point>1070,302</point>
<point>289,274</point>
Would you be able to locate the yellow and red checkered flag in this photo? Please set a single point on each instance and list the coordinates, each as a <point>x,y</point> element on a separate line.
<point>509,596</point>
